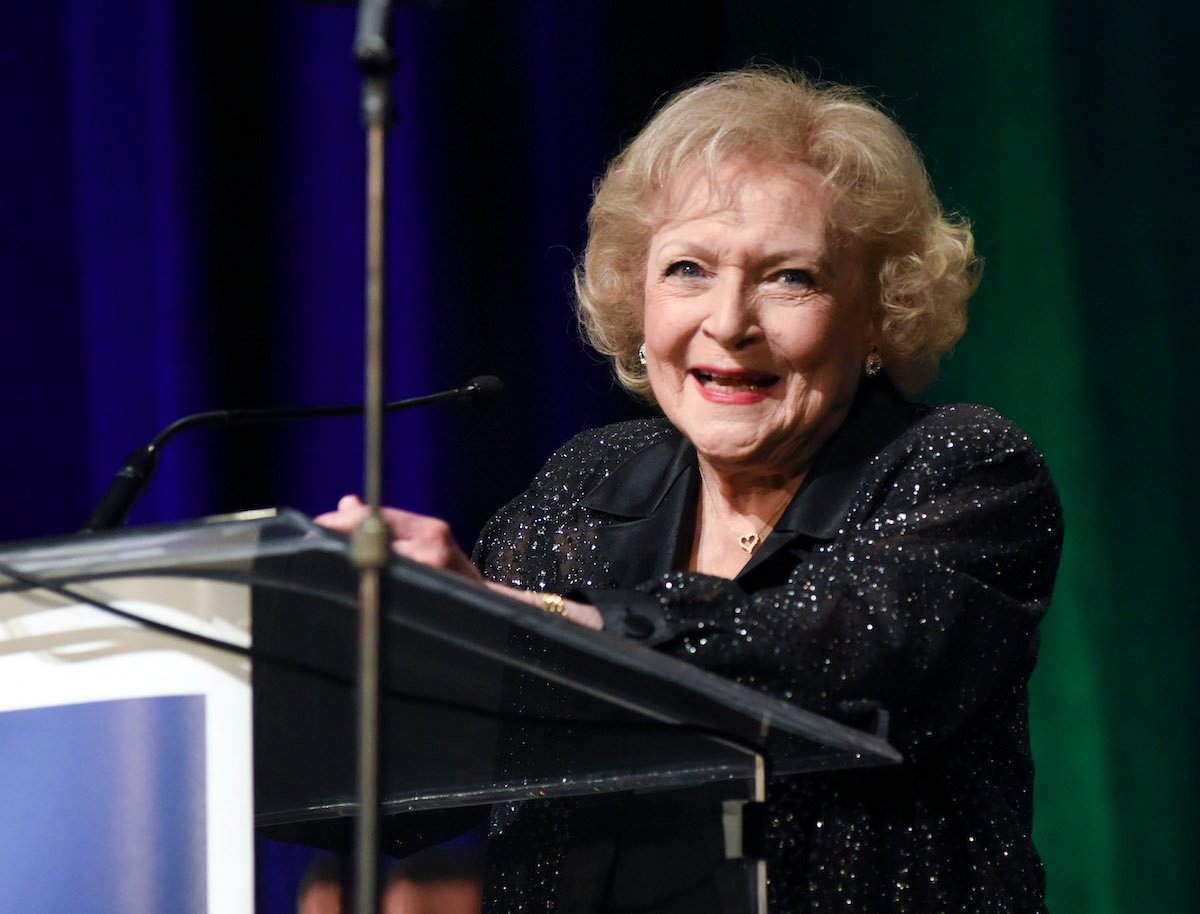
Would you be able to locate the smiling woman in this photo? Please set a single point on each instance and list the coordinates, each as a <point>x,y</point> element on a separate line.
<point>768,263</point>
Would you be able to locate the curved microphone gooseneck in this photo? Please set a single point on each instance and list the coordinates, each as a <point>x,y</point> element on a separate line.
<point>133,477</point>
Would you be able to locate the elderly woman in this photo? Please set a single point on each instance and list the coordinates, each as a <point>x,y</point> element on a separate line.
<point>768,264</point>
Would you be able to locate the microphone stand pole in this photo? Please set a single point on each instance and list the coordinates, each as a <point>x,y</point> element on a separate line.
<point>370,542</point>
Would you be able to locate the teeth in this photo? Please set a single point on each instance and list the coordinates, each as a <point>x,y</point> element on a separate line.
<point>725,382</point>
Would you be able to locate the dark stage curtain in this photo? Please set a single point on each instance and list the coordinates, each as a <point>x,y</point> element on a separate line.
<point>182,230</point>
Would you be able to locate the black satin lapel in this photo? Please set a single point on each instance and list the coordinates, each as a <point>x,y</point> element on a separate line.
<point>633,549</point>
<point>637,487</point>
<point>642,508</point>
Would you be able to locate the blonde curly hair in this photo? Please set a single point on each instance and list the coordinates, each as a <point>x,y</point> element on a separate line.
<point>881,193</point>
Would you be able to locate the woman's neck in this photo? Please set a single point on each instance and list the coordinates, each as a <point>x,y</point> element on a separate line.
<point>735,513</point>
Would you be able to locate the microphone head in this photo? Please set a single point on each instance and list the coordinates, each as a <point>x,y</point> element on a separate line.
<point>486,389</point>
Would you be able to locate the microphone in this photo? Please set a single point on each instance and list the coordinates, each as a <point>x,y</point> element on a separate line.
<point>133,477</point>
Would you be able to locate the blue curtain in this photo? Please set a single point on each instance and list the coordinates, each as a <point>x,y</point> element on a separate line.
<point>182,230</point>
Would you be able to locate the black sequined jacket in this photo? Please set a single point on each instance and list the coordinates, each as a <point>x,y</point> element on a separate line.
<point>910,569</point>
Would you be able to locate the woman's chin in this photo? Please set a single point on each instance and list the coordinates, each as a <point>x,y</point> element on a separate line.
<point>740,453</point>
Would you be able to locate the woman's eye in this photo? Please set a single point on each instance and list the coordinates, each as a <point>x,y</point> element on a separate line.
<point>795,278</point>
<point>686,268</point>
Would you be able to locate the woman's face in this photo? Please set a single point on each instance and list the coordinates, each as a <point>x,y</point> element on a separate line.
<point>756,322</point>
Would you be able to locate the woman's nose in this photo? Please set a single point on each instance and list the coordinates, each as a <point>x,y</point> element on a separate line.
<point>732,318</point>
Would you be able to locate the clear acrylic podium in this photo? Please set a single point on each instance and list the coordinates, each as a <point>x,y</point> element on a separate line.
<point>486,700</point>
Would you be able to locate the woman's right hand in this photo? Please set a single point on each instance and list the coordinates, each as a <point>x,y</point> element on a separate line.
<point>428,540</point>
<point>423,539</point>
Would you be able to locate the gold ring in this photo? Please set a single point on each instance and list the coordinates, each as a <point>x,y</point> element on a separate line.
<point>551,602</point>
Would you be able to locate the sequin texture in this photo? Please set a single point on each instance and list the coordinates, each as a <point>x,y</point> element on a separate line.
<point>925,600</point>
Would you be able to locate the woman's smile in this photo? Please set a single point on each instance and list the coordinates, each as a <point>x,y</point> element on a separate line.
<point>733,385</point>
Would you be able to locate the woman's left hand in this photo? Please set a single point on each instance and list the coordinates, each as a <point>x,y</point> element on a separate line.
<point>428,540</point>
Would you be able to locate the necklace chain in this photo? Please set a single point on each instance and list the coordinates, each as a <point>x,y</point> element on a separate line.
<point>747,541</point>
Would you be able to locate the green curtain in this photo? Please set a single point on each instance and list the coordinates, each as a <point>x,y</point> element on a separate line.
<point>1069,133</point>
<point>1071,177</point>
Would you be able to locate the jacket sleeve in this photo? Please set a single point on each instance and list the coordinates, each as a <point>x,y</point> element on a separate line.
<point>927,601</point>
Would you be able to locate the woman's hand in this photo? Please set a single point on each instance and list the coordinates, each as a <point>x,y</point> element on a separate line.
<point>428,540</point>
<point>579,613</point>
